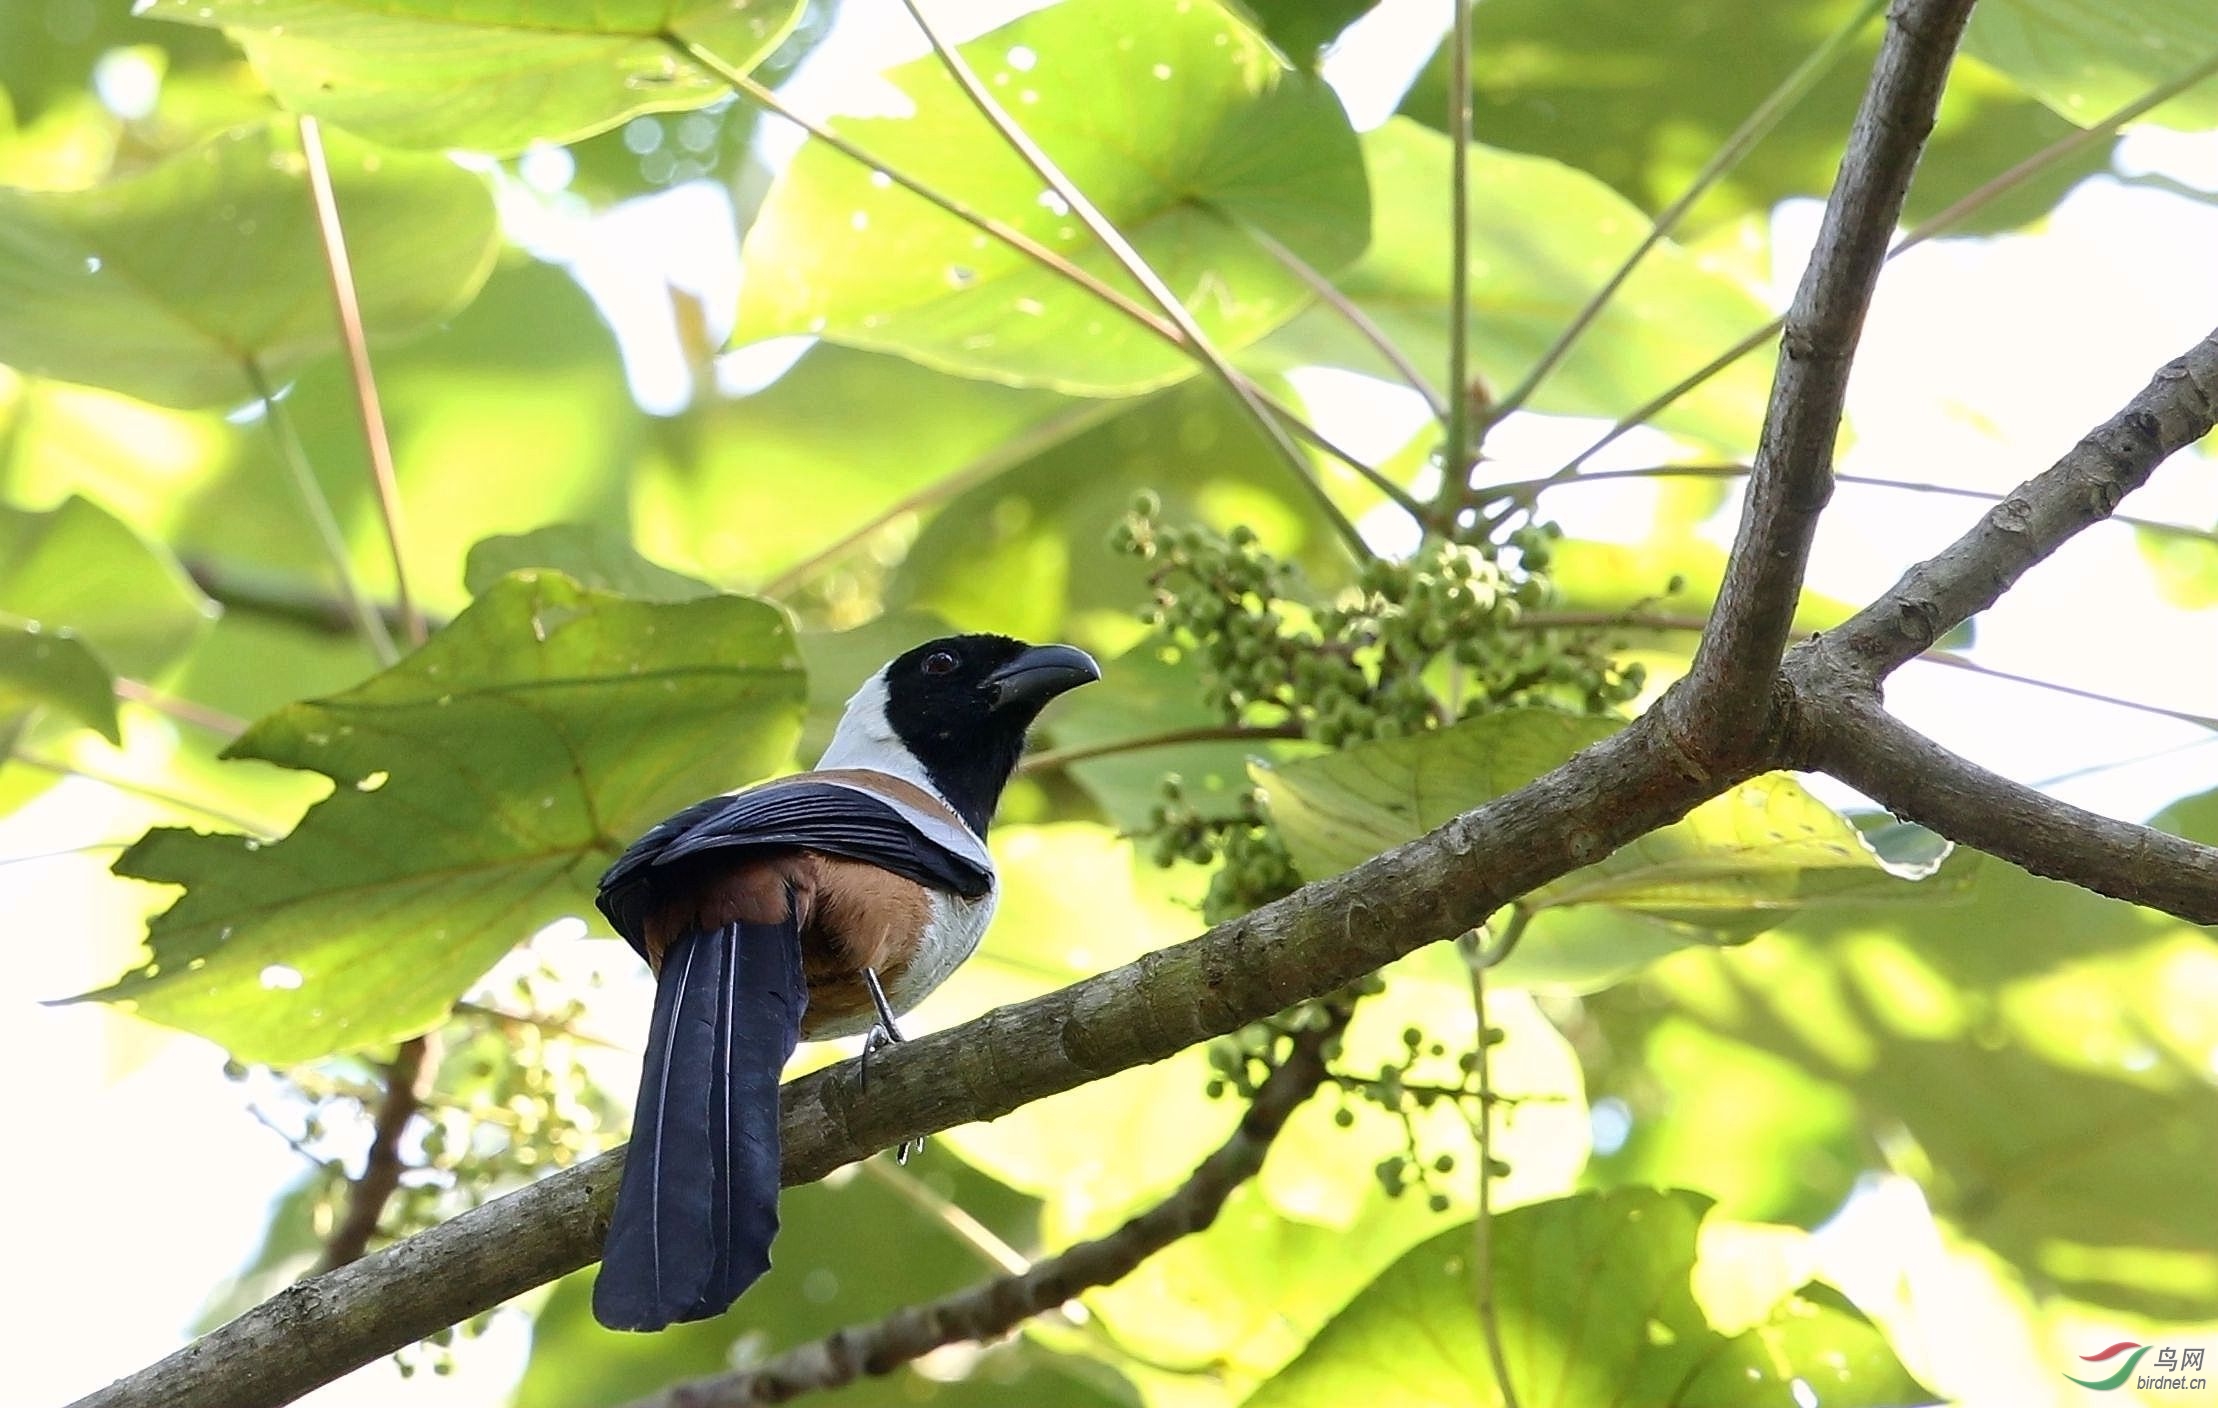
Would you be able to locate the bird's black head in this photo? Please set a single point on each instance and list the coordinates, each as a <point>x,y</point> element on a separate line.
<point>961,706</point>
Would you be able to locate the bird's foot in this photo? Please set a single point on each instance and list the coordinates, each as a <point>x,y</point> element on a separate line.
<point>883,1033</point>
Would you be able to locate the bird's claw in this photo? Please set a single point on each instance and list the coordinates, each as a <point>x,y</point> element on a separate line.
<point>884,1032</point>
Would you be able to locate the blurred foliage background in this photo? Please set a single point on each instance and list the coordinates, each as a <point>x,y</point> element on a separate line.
<point>694,423</point>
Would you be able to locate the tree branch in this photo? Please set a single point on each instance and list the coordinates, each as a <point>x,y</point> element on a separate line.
<point>1322,937</point>
<point>994,1307</point>
<point>382,1166</point>
<point>1912,776</point>
<point>1729,704</point>
<point>2178,407</point>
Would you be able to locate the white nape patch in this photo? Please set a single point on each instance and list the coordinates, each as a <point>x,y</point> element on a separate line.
<point>864,739</point>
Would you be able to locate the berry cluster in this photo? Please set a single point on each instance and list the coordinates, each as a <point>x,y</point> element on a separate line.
<point>1413,644</point>
<point>1455,630</point>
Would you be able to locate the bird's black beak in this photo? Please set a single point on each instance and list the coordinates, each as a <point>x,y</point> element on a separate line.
<point>1041,673</point>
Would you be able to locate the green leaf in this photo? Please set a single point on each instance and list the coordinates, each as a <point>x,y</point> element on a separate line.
<point>1337,811</point>
<point>1597,1308</point>
<point>490,75</point>
<point>165,283</point>
<point>54,669</point>
<point>590,554</point>
<point>1642,93</point>
<point>1178,120</point>
<point>750,486</point>
<point>1673,316</point>
<point>76,567</point>
<point>480,785</point>
<point>1303,29</point>
<point>1740,863</point>
<point>2086,59</point>
<point>1732,868</point>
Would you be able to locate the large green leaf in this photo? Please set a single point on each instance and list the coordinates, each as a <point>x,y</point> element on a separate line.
<point>1178,120</point>
<point>479,786</point>
<point>1529,278</point>
<point>750,486</point>
<point>2085,58</point>
<point>1733,867</point>
<point>1641,93</point>
<point>590,554</point>
<point>53,669</point>
<point>1595,1308</point>
<point>165,283</point>
<point>492,75</point>
<point>75,567</point>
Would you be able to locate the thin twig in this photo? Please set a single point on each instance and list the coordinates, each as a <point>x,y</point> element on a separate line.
<point>1200,733</point>
<point>183,710</point>
<point>1460,447</point>
<point>1989,191</point>
<point>140,789</point>
<point>348,306</point>
<point>292,1141</point>
<point>404,1076</point>
<point>1958,662</point>
<point>536,1021</point>
<point>366,618</point>
<point>1870,481</point>
<point>993,1308</point>
<point>1667,621</point>
<point>966,1229</point>
<point>382,1167</point>
<point>1753,129</point>
<point>1135,266</point>
<point>1478,958</point>
<point>26,857</point>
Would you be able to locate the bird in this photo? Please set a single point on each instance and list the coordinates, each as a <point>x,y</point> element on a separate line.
<point>818,905</point>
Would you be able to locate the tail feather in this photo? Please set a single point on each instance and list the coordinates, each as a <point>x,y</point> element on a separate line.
<point>698,1204</point>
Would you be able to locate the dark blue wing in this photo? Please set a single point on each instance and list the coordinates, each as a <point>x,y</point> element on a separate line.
<point>801,814</point>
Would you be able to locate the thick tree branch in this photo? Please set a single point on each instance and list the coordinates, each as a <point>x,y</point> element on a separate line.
<point>1307,945</point>
<point>1727,709</point>
<point>994,1307</point>
<point>2178,407</point>
<point>1871,750</point>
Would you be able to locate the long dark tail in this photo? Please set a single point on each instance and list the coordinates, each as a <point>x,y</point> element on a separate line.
<point>699,1201</point>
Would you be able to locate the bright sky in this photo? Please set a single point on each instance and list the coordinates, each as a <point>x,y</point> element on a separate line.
<point>144,1183</point>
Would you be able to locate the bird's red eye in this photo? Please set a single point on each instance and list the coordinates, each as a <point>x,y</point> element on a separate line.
<point>939,662</point>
